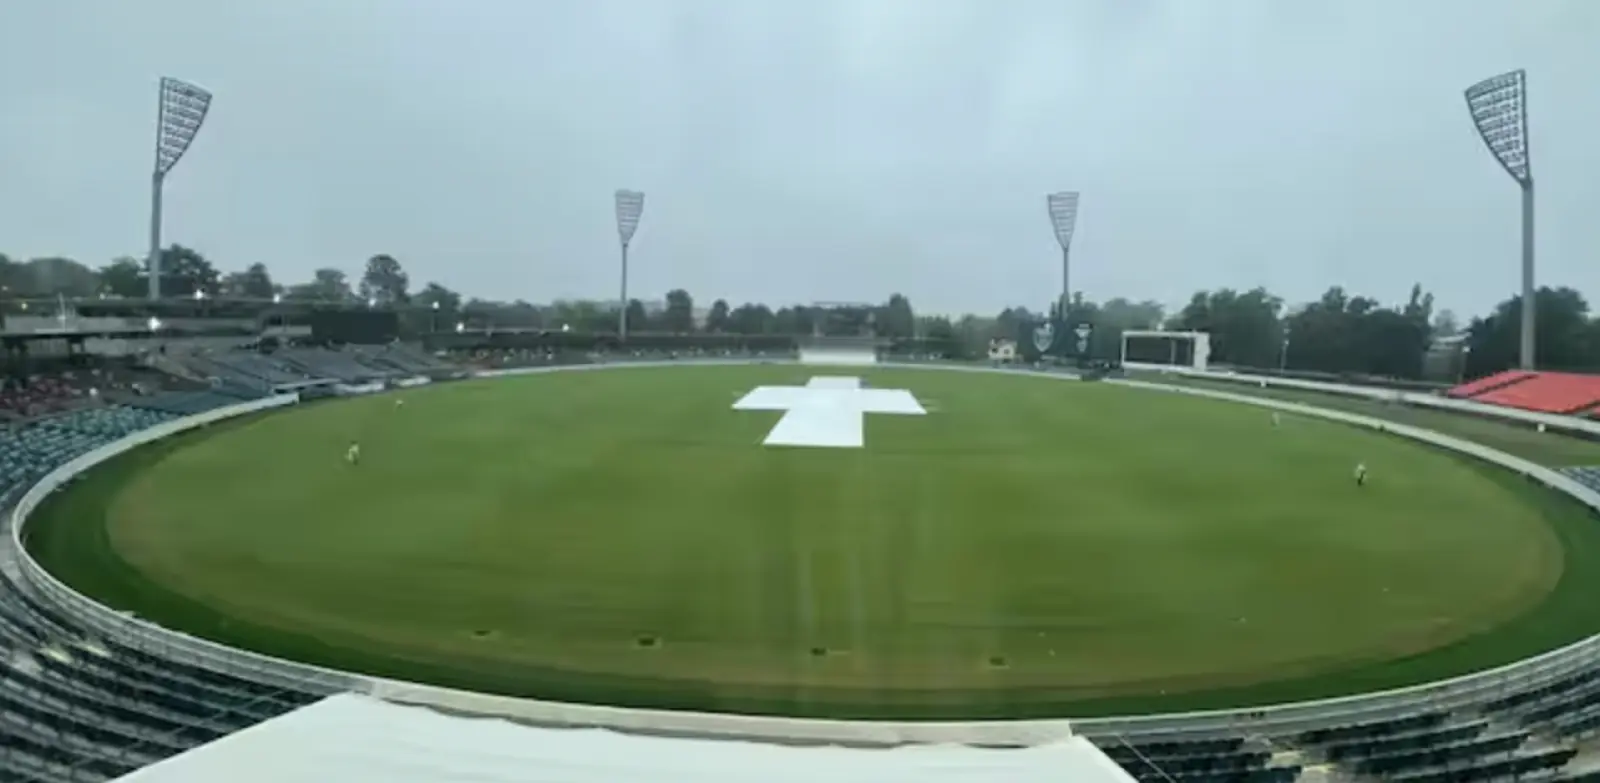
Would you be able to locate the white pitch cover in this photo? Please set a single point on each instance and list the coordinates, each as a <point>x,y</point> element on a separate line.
<point>827,412</point>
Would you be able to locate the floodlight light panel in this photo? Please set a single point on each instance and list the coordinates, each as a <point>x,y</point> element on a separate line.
<point>630,206</point>
<point>183,110</point>
<point>1063,215</point>
<point>1499,108</point>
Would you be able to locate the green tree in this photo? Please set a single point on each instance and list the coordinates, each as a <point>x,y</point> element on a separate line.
<point>253,283</point>
<point>973,334</point>
<point>51,276</point>
<point>384,281</point>
<point>638,319</point>
<point>1008,324</point>
<point>1340,333</point>
<point>717,318</point>
<point>327,285</point>
<point>1565,337</point>
<point>125,277</point>
<point>257,282</point>
<point>939,330</point>
<point>438,298</point>
<point>896,318</point>
<point>751,319</point>
<point>185,271</point>
<point>1245,328</point>
<point>481,313</point>
<point>679,315</point>
<point>11,276</point>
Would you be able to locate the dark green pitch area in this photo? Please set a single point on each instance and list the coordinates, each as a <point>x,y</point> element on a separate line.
<point>1031,547</point>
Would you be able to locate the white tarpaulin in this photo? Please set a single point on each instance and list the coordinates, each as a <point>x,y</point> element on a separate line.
<point>359,738</point>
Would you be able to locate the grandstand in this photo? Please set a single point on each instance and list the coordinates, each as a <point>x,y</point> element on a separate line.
<point>77,708</point>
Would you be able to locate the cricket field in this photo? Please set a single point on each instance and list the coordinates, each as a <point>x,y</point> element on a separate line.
<point>1024,547</point>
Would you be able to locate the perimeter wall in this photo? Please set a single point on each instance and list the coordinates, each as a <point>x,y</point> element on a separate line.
<point>1465,691</point>
<point>1569,424</point>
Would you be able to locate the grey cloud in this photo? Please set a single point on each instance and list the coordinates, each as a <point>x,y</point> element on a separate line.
<point>833,150</point>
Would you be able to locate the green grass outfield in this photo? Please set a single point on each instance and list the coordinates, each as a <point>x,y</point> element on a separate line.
<point>1032,547</point>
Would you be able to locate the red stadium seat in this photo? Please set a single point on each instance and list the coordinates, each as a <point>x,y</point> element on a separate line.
<point>1489,383</point>
<point>1547,392</point>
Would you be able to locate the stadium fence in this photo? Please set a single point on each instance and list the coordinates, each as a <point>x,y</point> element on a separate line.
<point>1573,425</point>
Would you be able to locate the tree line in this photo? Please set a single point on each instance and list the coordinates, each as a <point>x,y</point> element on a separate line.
<point>1340,332</point>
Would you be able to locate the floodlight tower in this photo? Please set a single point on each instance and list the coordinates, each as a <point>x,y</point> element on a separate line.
<point>1499,108</point>
<point>1064,218</point>
<point>180,111</point>
<point>630,205</point>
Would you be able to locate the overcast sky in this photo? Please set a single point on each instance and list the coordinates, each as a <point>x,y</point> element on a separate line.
<point>795,151</point>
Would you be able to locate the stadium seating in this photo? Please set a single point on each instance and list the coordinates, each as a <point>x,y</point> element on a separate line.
<point>509,358</point>
<point>1226,759</point>
<point>186,403</point>
<point>1587,475</point>
<point>324,363</point>
<point>1547,392</point>
<point>1543,392</point>
<point>1364,748</point>
<point>31,449</point>
<point>1439,746</point>
<point>266,369</point>
<point>39,395</point>
<point>203,365</point>
<point>1488,383</point>
<point>74,709</point>
<point>403,359</point>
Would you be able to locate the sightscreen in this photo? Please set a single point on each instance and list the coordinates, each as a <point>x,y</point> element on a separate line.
<point>1175,350</point>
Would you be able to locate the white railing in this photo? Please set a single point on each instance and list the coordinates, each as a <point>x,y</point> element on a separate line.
<point>1551,421</point>
<point>1467,690</point>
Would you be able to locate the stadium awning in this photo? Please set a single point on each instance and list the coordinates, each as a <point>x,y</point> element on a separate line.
<point>359,738</point>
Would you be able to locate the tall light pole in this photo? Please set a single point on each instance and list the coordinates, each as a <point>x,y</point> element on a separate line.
<point>630,205</point>
<point>1064,219</point>
<point>180,111</point>
<point>1499,107</point>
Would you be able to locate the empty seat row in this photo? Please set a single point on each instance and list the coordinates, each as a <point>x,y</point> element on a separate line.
<point>1490,769</point>
<point>1118,749</point>
<point>1432,736</point>
<point>187,403</point>
<point>1442,754</point>
<point>1547,392</point>
<point>1522,699</point>
<point>1184,765</point>
<point>1488,383</point>
<point>1552,708</point>
<point>103,709</point>
<point>1374,729</point>
<point>263,367</point>
<point>1259,775</point>
<point>74,709</point>
<point>333,364</point>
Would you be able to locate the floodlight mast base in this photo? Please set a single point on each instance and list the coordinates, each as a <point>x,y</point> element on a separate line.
<point>622,301</point>
<point>1526,352</point>
<point>153,262</point>
<point>1066,280</point>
